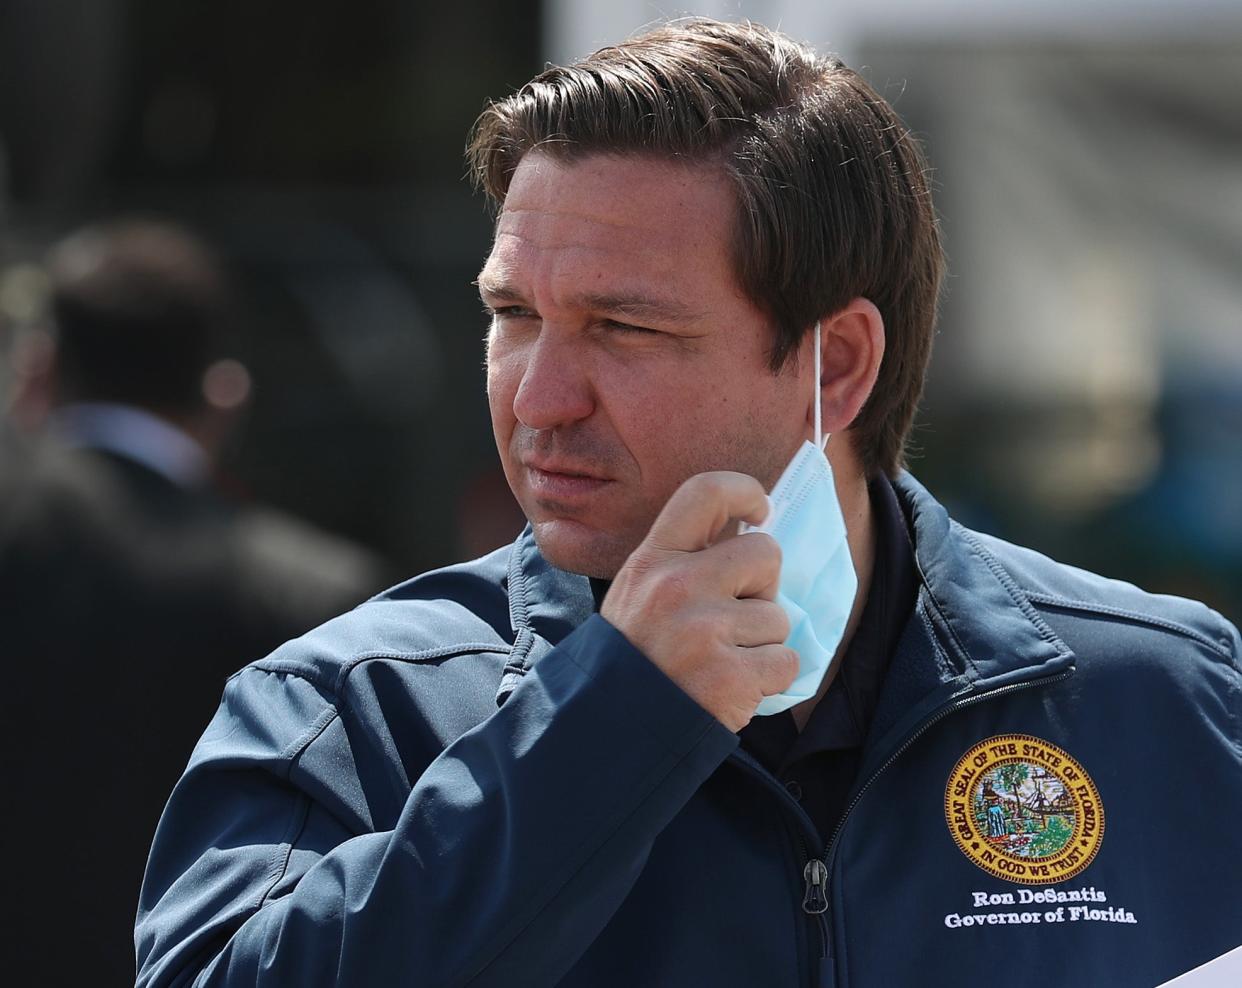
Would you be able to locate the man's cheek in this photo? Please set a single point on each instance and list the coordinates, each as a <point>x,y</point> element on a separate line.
<point>501,390</point>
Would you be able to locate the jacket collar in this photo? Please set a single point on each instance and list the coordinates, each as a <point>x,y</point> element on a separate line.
<point>545,605</point>
<point>986,631</point>
<point>972,631</point>
<point>989,630</point>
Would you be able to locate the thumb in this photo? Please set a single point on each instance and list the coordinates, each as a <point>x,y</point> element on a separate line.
<point>701,507</point>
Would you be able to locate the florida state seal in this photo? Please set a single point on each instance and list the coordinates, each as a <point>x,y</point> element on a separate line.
<point>1023,810</point>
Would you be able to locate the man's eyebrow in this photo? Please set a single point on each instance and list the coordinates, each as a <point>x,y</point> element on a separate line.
<point>499,290</point>
<point>639,306</point>
<point>632,305</point>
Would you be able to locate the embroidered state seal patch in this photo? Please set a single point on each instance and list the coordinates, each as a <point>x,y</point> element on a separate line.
<point>1024,810</point>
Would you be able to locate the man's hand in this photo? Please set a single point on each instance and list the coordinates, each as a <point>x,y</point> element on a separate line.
<point>702,608</point>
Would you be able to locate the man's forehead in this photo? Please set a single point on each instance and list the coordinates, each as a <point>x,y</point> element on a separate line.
<point>616,216</point>
<point>617,192</point>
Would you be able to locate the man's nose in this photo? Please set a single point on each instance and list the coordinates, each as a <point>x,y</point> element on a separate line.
<point>556,389</point>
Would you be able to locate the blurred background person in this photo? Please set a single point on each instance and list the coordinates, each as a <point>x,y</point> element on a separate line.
<point>129,588</point>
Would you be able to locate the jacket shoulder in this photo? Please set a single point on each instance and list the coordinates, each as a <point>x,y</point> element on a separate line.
<point>450,611</point>
<point>1054,587</point>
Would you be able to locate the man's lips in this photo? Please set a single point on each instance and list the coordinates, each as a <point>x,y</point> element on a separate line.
<point>561,480</point>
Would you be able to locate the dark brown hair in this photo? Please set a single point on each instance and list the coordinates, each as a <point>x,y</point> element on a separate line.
<point>138,306</point>
<point>832,196</point>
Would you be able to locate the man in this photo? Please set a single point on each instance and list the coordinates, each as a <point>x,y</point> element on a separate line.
<point>711,246</point>
<point>130,590</point>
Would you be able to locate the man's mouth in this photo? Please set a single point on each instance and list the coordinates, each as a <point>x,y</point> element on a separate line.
<point>560,480</point>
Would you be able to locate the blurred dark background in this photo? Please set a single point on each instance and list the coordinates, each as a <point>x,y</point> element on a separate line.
<point>1085,397</point>
<point>318,147</point>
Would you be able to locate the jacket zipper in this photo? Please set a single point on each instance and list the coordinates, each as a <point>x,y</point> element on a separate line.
<point>815,874</point>
<point>744,761</point>
<point>815,896</point>
<point>817,871</point>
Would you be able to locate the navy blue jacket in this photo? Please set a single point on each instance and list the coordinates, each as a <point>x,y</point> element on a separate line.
<point>472,780</point>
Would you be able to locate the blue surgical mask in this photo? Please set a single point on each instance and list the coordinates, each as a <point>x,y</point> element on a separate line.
<point>817,582</point>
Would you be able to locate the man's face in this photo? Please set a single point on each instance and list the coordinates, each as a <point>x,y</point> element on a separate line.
<point>623,357</point>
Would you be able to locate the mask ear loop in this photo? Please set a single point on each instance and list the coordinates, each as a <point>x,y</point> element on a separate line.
<point>821,441</point>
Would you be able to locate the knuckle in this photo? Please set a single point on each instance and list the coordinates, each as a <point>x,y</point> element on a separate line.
<point>789,665</point>
<point>722,483</point>
<point>700,483</point>
<point>781,623</point>
<point>671,587</point>
<point>739,715</point>
<point>699,627</point>
<point>761,547</point>
<point>718,479</point>
<point>767,553</point>
<point>772,619</point>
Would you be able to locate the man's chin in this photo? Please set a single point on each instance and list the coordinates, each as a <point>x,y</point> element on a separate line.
<point>576,548</point>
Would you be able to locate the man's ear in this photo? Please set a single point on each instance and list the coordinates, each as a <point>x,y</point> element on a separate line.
<point>851,348</point>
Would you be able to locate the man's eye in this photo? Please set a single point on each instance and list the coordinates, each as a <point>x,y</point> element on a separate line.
<point>511,312</point>
<point>625,327</point>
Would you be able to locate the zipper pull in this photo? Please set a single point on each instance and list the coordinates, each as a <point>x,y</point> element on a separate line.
<point>816,876</point>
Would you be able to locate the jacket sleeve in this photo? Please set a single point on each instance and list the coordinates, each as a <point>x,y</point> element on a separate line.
<point>513,849</point>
